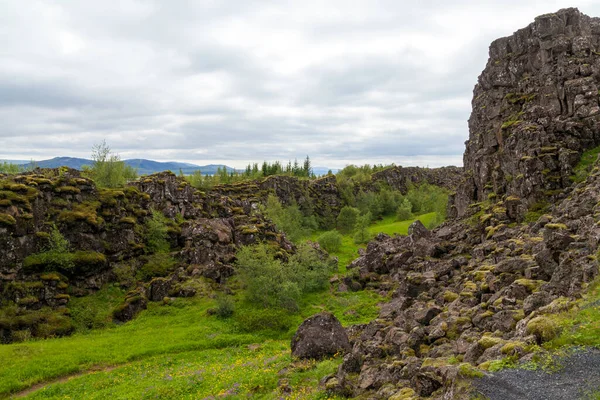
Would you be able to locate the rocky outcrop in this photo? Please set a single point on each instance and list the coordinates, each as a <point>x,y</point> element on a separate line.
<point>402,178</point>
<point>105,233</point>
<point>320,336</point>
<point>472,291</point>
<point>535,109</point>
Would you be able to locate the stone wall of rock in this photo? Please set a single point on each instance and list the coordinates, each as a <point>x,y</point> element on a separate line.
<point>105,231</point>
<point>400,178</point>
<point>535,109</point>
<point>472,291</point>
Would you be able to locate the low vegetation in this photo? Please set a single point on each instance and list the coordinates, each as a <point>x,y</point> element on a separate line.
<point>108,170</point>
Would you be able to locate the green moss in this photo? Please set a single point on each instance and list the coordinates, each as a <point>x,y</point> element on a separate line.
<point>489,341</point>
<point>449,296</point>
<point>67,189</point>
<point>404,394</point>
<point>530,284</point>
<point>52,276</point>
<point>7,220</point>
<point>510,348</point>
<point>249,229</point>
<point>88,258</point>
<point>467,370</point>
<point>128,220</point>
<point>544,328</point>
<point>556,226</point>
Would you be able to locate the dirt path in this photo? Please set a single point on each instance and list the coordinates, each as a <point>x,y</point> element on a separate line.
<point>41,385</point>
<point>578,377</point>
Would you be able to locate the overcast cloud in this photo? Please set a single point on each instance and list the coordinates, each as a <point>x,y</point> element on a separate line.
<point>239,81</point>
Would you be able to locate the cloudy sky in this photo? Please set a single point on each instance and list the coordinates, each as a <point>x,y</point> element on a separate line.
<point>219,81</point>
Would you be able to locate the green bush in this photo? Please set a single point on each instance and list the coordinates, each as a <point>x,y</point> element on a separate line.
<point>362,229</point>
<point>330,241</point>
<point>253,320</point>
<point>427,198</point>
<point>55,256</point>
<point>346,220</point>
<point>108,170</point>
<point>156,233</point>
<point>289,219</point>
<point>156,265</point>
<point>225,306</point>
<point>404,211</point>
<point>309,271</point>
<point>271,283</point>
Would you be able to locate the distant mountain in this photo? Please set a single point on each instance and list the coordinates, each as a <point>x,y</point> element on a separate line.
<point>144,167</point>
<point>324,170</point>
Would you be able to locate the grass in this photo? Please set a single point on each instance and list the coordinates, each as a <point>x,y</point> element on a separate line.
<point>164,344</point>
<point>583,168</point>
<point>580,326</point>
<point>388,225</point>
<point>233,372</point>
<point>179,351</point>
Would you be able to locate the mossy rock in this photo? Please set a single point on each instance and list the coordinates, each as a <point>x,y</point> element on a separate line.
<point>556,226</point>
<point>67,189</point>
<point>489,341</point>
<point>543,328</point>
<point>7,220</point>
<point>449,296</point>
<point>405,394</point>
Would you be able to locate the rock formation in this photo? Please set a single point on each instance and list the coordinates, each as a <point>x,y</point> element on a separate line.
<point>480,287</point>
<point>104,229</point>
<point>319,336</point>
<point>535,110</point>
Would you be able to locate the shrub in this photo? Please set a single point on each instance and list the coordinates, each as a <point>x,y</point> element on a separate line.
<point>108,170</point>
<point>156,233</point>
<point>56,255</point>
<point>330,241</point>
<point>404,210</point>
<point>289,219</point>
<point>346,220</point>
<point>252,320</point>
<point>225,306</point>
<point>270,283</point>
<point>309,271</point>
<point>156,265</point>
<point>362,229</point>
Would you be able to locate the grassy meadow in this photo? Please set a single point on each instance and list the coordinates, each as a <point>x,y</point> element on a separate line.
<point>180,350</point>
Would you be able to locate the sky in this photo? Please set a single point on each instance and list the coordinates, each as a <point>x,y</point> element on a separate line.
<point>233,82</point>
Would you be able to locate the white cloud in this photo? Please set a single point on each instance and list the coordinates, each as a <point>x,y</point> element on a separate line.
<point>237,81</point>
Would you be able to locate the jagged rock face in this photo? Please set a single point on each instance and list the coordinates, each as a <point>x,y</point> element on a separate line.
<point>400,178</point>
<point>472,289</point>
<point>105,230</point>
<point>535,109</point>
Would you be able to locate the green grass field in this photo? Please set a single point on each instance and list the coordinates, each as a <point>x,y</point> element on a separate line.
<point>166,341</point>
<point>179,351</point>
<point>388,225</point>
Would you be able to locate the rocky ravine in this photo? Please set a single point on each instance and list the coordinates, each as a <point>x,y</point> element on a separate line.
<point>478,288</point>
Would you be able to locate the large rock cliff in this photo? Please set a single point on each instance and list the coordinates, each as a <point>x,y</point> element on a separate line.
<point>535,109</point>
<point>480,287</point>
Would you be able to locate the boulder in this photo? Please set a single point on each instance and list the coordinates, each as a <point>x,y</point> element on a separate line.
<point>320,336</point>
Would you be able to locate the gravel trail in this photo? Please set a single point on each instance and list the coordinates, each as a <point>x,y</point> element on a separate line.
<point>579,375</point>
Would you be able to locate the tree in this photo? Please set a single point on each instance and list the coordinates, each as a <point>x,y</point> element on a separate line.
<point>404,211</point>
<point>346,220</point>
<point>330,241</point>
<point>362,229</point>
<point>307,169</point>
<point>156,233</point>
<point>107,169</point>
